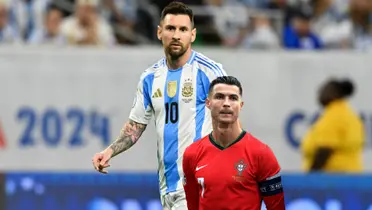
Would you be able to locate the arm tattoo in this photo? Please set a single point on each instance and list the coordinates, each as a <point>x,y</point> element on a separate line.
<point>129,135</point>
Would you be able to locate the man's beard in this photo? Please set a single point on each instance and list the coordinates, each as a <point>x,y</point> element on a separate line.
<point>176,54</point>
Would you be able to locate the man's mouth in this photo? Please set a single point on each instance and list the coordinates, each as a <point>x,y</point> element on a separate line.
<point>226,112</point>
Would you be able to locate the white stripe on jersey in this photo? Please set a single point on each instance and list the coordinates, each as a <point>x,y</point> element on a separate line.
<point>159,115</point>
<point>187,124</point>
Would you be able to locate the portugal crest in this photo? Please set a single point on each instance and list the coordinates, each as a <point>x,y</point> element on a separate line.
<point>172,88</point>
<point>240,167</point>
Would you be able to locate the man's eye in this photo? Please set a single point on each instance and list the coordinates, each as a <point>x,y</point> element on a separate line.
<point>219,97</point>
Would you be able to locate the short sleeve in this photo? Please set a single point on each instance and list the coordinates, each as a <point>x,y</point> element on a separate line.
<point>268,165</point>
<point>142,110</point>
<point>268,173</point>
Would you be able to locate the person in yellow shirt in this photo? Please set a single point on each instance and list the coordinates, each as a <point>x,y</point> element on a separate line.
<point>335,141</point>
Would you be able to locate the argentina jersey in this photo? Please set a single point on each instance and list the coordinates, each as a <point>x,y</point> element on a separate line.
<point>176,99</point>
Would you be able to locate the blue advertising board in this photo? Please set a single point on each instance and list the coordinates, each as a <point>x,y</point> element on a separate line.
<point>130,191</point>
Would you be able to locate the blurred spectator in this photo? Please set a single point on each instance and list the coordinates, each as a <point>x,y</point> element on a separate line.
<point>263,35</point>
<point>50,33</point>
<point>298,33</point>
<point>147,19</point>
<point>335,142</point>
<point>160,4</point>
<point>29,15</point>
<point>86,27</point>
<point>356,31</point>
<point>277,4</point>
<point>231,20</point>
<point>255,3</point>
<point>308,24</point>
<point>122,14</point>
<point>122,11</point>
<point>325,22</point>
<point>8,35</point>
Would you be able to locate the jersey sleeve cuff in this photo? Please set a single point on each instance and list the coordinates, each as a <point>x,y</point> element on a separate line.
<point>138,120</point>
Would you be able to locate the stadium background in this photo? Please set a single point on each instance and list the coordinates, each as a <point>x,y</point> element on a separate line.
<point>61,101</point>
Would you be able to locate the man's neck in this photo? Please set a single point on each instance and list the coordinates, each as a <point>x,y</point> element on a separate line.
<point>225,134</point>
<point>179,62</point>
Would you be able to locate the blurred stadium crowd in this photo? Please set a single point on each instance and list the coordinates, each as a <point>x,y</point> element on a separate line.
<point>248,24</point>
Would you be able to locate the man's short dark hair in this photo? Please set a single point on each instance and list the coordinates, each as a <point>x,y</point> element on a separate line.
<point>177,8</point>
<point>227,80</point>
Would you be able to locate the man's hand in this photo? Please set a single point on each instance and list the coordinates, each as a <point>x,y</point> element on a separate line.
<point>129,135</point>
<point>101,160</point>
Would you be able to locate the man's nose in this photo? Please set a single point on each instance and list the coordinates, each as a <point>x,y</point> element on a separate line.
<point>226,103</point>
<point>176,35</point>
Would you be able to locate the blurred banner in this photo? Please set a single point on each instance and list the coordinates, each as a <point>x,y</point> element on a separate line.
<point>60,106</point>
<point>44,191</point>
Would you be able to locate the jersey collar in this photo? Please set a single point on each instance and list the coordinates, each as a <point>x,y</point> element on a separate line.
<point>240,137</point>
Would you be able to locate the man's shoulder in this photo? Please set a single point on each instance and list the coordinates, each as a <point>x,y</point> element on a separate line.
<point>153,69</point>
<point>207,64</point>
<point>255,144</point>
<point>203,57</point>
<point>200,58</point>
<point>159,64</point>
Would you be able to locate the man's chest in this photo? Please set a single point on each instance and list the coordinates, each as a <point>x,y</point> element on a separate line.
<point>172,91</point>
<point>226,170</point>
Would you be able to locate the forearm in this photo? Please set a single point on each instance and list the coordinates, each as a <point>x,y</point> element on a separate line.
<point>129,135</point>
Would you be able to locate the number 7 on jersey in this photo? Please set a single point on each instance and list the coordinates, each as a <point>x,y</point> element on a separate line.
<point>201,182</point>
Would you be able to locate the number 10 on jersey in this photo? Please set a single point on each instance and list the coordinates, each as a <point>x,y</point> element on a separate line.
<point>171,112</point>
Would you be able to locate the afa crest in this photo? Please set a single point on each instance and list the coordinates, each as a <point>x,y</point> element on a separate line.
<point>172,88</point>
<point>187,89</point>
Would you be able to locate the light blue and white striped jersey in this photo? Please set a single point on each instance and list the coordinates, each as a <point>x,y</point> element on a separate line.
<point>176,99</point>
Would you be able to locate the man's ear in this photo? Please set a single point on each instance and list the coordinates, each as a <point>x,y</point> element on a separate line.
<point>208,103</point>
<point>159,31</point>
<point>241,104</point>
<point>193,35</point>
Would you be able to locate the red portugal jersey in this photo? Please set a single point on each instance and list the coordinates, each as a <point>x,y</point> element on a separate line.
<point>238,177</point>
